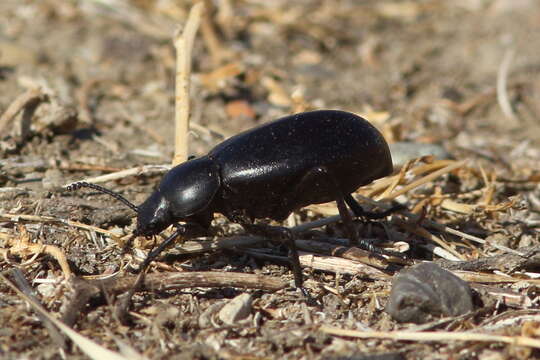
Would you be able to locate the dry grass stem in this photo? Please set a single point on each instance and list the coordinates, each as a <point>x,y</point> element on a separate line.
<point>433,336</point>
<point>23,285</point>
<point>505,296</point>
<point>339,265</point>
<point>350,253</point>
<point>420,231</point>
<point>440,252</point>
<point>89,347</point>
<point>381,185</point>
<point>184,46</point>
<point>511,318</point>
<point>502,85</point>
<point>83,97</point>
<point>486,278</point>
<point>30,97</point>
<point>50,219</point>
<point>449,230</point>
<point>21,246</point>
<point>396,180</point>
<point>136,171</point>
<point>436,226</point>
<point>424,180</point>
<point>117,285</point>
<point>183,280</point>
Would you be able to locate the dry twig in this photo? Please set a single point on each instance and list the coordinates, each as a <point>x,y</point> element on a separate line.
<point>183,280</point>
<point>50,219</point>
<point>83,95</point>
<point>89,347</point>
<point>184,45</point>
<point>424,180</point>
<point>433,336</point>
<point>339,265</point>
<point>502,91</point>
<point>503,262</point>
<point>507,297</point>
<point>351,253</point>
<point>25,288</point>
<point>24,248</point>
<point>29,99</point>
<point>136,171</point>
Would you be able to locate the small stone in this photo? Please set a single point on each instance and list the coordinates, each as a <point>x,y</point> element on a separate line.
<point>236,310</point>
<point>426,291</point>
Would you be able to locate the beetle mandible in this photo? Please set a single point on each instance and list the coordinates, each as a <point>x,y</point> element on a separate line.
<point>268,172</point>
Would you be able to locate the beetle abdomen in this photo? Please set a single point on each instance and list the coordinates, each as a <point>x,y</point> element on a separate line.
<point>262,165</point>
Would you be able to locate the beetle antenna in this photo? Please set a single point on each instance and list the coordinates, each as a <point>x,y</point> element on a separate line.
<point>80,184</point>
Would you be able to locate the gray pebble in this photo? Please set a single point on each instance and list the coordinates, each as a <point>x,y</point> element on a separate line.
<point>426,291</point>
<point>236,310</point>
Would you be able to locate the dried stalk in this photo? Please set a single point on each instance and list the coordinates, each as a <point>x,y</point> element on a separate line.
<point>184,45</point>
<point>182,280</point>
<point>22,247</point>
<point>502,82</point>
<point>136,171</point>
<point>424,180</point>
<point>339,265</point>
<point>350,253</point>
<point>89,347</point>
<point>50,219</point>
<point>30,98</point>
<point>432,336</point>
<point>23,285</point>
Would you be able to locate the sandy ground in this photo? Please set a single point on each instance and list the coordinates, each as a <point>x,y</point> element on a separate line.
<point>462,75</point>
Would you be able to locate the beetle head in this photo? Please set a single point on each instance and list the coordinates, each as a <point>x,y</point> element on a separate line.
<point>186,190</point>
<point>153,216</point>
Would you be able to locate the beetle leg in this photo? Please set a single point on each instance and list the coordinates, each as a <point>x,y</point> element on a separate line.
<point>329,182</point>
<point>128,243</point>
<point>347,220</point>
<point>361,243</point>
<point>341,201</point>
<point>280,233</point>
<point>284,235</point>
<point>360,212</point>
<point>125,303</point>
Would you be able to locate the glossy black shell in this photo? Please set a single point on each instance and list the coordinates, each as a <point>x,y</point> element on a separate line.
<point>270,171</point>
<point>266,172</point>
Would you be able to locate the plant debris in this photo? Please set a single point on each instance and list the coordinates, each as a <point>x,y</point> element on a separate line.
<point>88,94</point>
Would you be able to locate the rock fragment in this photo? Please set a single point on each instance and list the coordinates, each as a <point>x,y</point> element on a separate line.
<point>426,291</point>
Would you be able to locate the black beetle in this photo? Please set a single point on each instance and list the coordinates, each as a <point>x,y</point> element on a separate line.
<point>269,172</point>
